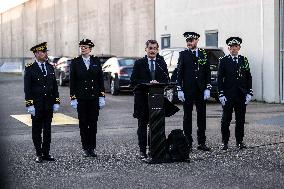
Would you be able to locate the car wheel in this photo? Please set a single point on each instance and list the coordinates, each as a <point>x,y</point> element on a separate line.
<point>61,82</point>
<point>113,88</point>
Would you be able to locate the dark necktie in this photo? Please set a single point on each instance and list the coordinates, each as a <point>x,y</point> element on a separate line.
<point>152,69</point>
<point>42,69</point>
<point>235,59</point>
<point>194,53</point>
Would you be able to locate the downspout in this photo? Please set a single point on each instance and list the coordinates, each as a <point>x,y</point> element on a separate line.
<point>262,47</point>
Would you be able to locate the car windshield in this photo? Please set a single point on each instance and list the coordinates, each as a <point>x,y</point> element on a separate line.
<point>213,58</point>
<point>126,62</point>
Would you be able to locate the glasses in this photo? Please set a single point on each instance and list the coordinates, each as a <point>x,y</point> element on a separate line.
<point>84,47</point>
<point>153,48</point>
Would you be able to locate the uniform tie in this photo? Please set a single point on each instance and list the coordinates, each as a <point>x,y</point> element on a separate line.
<point>235,59</point>
<point>152,69</point>
<point>194,53</point>
<point>43,69</point>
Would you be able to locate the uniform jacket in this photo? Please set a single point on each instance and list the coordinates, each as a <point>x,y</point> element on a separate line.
<point>40,91</point>
<point>141,74</point>
<point>193,70</point>
<point>86,84</point>
<point>234,78</point>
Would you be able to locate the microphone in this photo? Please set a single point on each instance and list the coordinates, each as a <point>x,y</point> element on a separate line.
<point>168,78</point>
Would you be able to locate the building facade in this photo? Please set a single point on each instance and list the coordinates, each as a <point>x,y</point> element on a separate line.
<point>258,22</point>
<point>121,27</point>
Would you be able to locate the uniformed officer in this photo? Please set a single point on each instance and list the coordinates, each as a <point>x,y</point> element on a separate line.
<point>149,69</point>
<point>87,94</point>
<point>42,99</point>
<point>235,91</point>
<point>194,85</point>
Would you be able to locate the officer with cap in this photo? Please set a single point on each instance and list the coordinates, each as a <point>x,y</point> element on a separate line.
<point>42,99</point>
<point>235,91</point>
<point>194,85</point>
<point>87,94</point>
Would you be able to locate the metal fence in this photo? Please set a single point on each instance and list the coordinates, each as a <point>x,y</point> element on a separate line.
<point>14,65</point>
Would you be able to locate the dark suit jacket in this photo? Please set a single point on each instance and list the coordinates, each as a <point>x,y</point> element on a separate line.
<point>191,71</point>
<point>86,84</point>
<point>141,74</point>
<point>234,79</point>
<point>40,91</point>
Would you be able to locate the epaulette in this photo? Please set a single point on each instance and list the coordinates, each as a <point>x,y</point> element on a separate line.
<point>29,64</point>
<point>222,57</point>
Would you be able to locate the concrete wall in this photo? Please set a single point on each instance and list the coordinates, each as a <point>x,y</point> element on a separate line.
<point>115,26</point>
<point>254,21</point>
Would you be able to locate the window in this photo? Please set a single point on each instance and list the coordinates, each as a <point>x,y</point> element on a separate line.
<point>165,41</point>
<point>211,38</point>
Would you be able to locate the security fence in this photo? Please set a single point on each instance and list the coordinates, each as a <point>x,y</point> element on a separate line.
<point>14,65</point>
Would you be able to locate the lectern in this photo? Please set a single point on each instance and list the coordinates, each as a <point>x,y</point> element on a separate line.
<point>158,105</point>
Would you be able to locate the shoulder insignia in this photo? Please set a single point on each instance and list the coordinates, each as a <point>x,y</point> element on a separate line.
<point>29,64</point>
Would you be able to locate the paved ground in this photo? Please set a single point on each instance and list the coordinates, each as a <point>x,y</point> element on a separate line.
<point>260,166</point>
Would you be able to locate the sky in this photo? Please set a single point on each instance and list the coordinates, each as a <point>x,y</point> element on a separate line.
<point>7,4</point>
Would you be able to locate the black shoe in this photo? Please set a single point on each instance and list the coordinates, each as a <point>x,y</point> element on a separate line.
<point>225,147</point>
<point>92,153</point>
<point>86,153</point>
<point>48,158</point>
<point>203,147</point>
<point>241,145</point>
<point>38,159</point>
<point>142,155</point>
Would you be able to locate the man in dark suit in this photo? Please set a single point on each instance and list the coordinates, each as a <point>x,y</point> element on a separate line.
<point>42,99</point>
<point>194,85</point>
<point>149,69</point>
<point>235,91</point>
<point>87,94</point>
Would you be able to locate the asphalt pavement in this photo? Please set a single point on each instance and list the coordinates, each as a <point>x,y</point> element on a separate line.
<point>117,164</point>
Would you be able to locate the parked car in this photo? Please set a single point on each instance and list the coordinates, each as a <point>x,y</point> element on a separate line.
<point>53,60</point>
<point>171,56</point>
<point>104,57</point>
<point>62,70</point>
<point>117,72</point>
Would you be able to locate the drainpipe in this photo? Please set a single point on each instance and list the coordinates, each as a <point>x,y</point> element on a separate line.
<point>262,47</point>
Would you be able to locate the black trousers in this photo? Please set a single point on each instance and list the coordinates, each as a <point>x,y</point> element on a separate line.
<point>237,104</point>
<point>88,111</point>
<point>41,125</point>
<point>142,133</point>
<point>200,103</point>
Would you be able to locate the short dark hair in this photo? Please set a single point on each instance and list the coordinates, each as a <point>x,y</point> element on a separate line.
<point>152,41</point>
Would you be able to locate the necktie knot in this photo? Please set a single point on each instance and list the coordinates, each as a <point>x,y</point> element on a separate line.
<point>194,53</point>
<point>43,69</point>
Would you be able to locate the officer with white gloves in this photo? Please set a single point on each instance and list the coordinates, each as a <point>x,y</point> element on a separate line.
<point>194,85</point>
<point>42,100</point>
<point>235,91</point>
<point>87,94</point>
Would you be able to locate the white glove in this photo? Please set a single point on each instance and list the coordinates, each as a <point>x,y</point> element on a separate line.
<point>74,103</point>
<point>55,107</point>
<point>223,100</point>
<point>181,96</point>
<point>31,110</point>
<point>248,98</point>
<point>102,102</point>
<point>206,94</point>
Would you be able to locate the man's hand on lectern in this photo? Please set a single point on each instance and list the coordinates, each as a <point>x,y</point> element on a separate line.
<point>154,81</point>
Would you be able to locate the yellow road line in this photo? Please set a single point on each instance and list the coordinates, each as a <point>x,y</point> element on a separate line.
<point>58,119</point>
